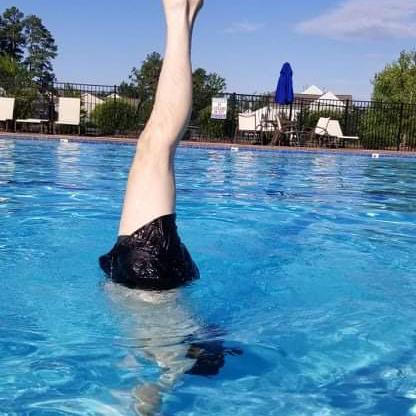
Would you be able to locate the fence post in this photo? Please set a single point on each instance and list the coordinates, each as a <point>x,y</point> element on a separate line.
<point>51,107</point>
<point>399,133</point>
<point>301,120</point>
<point>233,101</point>
<point>115,107</point>
<point>346,118</point>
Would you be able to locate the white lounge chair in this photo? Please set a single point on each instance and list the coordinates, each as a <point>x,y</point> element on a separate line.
<point>248,126</point>
<point>6,109</point>
<point>247,122</point>
<point>69,112</point>
<point>334,130</point>
<point>321,130</point>
<point>38,121</point>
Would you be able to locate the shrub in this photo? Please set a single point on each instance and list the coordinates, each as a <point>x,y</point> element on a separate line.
<point>379,127</point>
<point>309,118</point>
<point>209,128</point>
<point>115,116</point>
<point>25,102</point>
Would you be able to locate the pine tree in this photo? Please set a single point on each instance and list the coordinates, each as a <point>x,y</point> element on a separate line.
<point>41,50</point>
<point>12,40</point>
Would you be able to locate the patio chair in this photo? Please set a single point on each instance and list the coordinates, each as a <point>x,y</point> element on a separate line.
<point>248,125</point>
<point>286,133</point>
<point>315,136</point>
<point>41,122</point>
<point>6,110</point>
<point>334,131</point>
<point>261,124</point>
<point>320,132</point>
<point>69,113</point>
<point>40,108</point>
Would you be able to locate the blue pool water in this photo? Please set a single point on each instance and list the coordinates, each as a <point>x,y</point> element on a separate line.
<point>307,265</point>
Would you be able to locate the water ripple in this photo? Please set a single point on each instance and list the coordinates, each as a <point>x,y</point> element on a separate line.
<point>307,282</point>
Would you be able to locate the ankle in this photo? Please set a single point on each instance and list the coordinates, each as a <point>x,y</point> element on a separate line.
<point>176,7</point>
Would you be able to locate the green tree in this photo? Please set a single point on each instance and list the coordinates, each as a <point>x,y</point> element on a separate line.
<point>41,50</point>
<point>28,43</point>
<point>143,83</point>
<point>397,81</point>
<point>205,86</point>
<point>147,76</point>
<point>12,40</point>
<point>10,72</point>
<point>128,90</point>
<point>389,122</point>
<point>16,82</point>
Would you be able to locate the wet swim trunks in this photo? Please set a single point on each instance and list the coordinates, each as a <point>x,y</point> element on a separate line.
<point>152,258</point>
<point>210,357</point>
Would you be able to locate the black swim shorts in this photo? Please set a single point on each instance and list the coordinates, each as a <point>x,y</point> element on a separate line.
<point>152,258</point>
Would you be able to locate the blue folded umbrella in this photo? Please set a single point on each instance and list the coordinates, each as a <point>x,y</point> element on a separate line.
<point>284,92</point>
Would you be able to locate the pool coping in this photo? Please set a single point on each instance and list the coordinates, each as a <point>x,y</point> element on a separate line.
<point>210,145</point>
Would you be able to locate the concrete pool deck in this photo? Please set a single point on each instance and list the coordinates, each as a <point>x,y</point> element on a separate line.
<point>209,145</point>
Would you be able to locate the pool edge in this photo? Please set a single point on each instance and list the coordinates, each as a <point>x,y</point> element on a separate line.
<point>210,145</point>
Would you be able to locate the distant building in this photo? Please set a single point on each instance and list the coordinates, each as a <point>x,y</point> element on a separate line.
<point>89,102</point>
<point>313,90</point>
<point>113,96</point>
<point>314,94</point>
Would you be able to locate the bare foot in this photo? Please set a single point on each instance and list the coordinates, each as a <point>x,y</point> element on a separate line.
<point>149,400</point>
<point>192,7</point>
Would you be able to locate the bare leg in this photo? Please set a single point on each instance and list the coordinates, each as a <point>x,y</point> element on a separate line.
<point>151,190</point>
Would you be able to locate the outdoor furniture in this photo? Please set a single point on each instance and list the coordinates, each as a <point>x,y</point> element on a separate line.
<point>248,125</point>
<point>334,131</point>
<point>316,136</point>
<point>34,121</point>
<point>274,128</point>
<point>6,110</point>
<point>268,127</point>
<point>327,132</point>
<point>286,134</point>
<point>320,131</point>
<point>69,113</point>
<point>257,122</point>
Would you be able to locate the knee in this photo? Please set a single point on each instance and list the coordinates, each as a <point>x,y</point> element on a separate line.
<point>152,144</point>
<point>153,152</point>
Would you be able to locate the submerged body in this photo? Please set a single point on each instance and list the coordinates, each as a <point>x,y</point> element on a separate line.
<point>168,333</point>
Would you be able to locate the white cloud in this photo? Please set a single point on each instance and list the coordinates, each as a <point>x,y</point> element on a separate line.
<point>365,18</point>
<point>244,27</point>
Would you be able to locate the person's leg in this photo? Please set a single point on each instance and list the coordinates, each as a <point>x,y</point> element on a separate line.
<point>151,190</point>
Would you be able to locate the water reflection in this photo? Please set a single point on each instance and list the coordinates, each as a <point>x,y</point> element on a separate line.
<point>68,163</point>
<point>7,163</point>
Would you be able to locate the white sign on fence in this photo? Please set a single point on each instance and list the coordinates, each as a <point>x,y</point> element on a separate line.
<point>219,108</point>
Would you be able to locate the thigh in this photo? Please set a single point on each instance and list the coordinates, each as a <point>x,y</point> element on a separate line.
<point>151,190</point>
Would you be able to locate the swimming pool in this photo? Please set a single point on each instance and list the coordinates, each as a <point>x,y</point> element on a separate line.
<point>307,265</point>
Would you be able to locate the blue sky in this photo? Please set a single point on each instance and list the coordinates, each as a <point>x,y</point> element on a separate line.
<point>335,44</point>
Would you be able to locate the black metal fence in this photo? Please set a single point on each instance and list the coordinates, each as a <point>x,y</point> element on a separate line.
<point>362,124</point>
<point>250,119</point>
